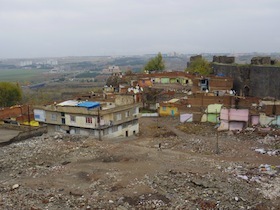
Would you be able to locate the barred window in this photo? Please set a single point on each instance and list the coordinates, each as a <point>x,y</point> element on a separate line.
<point>89,120</point>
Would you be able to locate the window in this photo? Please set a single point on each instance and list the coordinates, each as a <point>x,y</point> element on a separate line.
<point>136,111</point>
<point>89,120</point>
<point>62,114</point>
<point>72,118</point>
<point>57,128</point>
<point>125,125</point>
<point>164,108</point>
<point>114,128</point>
<point>119,116</point>
<point>203,82</point>
<point>53,117</point>
<point>127,114</point>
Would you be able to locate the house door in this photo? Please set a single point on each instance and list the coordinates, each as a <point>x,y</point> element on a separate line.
<point>246,91</point>
<point>172,113</point>
<point>126,133</point>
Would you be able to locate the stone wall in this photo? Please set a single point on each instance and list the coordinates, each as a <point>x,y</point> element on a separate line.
<point>261,61</point>
<point>251,80</point>
<point>223,59</point>
<point>122,100</point>
<point>193,58</point>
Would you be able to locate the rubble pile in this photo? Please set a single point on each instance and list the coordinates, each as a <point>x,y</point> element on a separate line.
<point>270,145</point>
<point>204,129</point>
<point>192,191</point>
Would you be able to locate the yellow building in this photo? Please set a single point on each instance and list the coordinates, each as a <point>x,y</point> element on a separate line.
<point>169,108</point>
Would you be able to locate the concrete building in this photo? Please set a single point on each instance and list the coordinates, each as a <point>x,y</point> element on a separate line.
<point>26,63</point>
<point>169,108</point>
<point>113,70</point>
<point>99,119</point>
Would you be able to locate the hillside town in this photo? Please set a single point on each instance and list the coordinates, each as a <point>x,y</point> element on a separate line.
<point>150,140</point>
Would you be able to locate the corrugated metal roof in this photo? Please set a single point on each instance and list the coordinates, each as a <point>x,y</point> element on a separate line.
<point>174,100</point>
<point>68,103</point>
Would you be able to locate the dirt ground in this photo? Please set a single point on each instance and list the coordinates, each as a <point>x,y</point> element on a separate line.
<point>195,168</point>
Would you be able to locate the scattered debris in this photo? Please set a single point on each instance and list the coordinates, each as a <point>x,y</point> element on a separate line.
<point>15,186</point>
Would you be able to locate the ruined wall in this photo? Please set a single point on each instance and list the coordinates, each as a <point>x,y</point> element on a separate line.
<point>24,134</point>
<point>193,58</point>
<point>223,59</point>
<point>121,100</point>
<point>261,61</point>
<point>249,80</point>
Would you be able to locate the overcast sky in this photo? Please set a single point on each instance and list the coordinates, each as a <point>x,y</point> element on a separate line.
<point>47,28</point>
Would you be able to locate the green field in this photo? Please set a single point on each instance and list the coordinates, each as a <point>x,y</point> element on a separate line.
<point>22,75</point>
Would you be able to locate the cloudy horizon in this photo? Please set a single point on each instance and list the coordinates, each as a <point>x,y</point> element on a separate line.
<point>48,28</point>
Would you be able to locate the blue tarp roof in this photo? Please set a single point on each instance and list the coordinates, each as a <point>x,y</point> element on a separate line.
<point>89,104</point>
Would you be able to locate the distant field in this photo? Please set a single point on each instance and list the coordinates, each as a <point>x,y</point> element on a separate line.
<point>21,75</point>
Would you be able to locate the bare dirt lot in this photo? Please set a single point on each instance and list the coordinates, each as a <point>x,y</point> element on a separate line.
<point>195,168</point>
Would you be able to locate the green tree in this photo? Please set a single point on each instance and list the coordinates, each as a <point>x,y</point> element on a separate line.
<point>155,64</point>
<point>114,81</point>
<point>201,66</point>
<point>10,94</point>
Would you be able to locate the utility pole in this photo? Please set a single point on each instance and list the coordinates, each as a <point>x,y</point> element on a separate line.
<point>28,113</point>
<point>98,121</point>
<point>217,143</point>
<point>217,138</point>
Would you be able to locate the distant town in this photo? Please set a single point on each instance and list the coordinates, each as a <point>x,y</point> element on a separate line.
<point>167,84</point>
